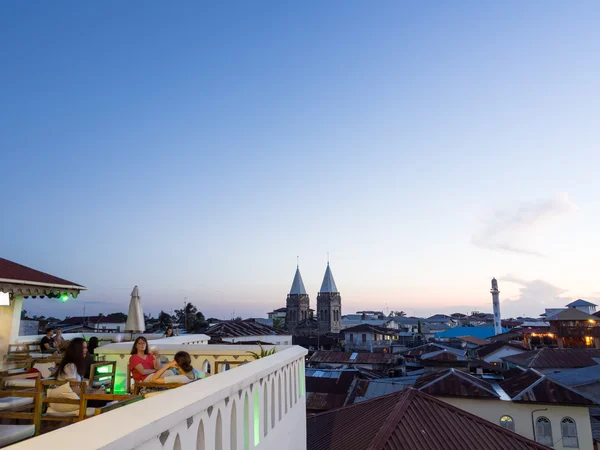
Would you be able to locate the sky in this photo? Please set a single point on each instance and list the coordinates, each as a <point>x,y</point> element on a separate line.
<point>196,149</point>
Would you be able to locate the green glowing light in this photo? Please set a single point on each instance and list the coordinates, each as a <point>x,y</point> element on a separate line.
<point>64,297</point>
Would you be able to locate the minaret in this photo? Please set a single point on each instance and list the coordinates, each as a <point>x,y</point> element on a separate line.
<point>496,302</point>
<point>329,305</point>
<point>297,303</point>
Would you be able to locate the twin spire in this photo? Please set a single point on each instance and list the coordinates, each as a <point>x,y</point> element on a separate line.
<point>328,285</point>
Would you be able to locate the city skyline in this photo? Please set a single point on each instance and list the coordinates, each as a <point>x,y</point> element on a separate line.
<point>195,151</point>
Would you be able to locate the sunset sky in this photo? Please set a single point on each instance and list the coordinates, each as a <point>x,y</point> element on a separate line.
<point>197,150</point>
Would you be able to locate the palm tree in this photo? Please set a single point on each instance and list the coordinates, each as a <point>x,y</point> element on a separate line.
<point>263,353</point>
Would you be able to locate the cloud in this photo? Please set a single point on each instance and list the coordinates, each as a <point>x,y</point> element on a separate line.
<point>508,227</point>
<point>534,297</point>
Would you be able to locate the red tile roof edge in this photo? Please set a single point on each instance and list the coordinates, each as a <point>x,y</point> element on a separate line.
<point>27,275</point>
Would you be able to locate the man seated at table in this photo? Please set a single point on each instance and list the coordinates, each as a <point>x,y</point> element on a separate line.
<point>47,344</point>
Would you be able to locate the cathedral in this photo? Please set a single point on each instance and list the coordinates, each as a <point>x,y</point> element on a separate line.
<point>329,307</point>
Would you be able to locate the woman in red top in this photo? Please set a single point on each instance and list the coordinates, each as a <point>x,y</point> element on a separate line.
<point>142,363</point>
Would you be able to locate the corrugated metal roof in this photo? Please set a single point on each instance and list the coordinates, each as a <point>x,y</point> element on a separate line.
<point>454,383</point>
<point>535,387</point>
<point>572,314</point>
<point>482,332</point>
<point>10,270</point>
<point>578,377</point>
<point>363,390</point>
<point>548,358</point>
<point>408,420</point>
<point>235,328</point>
<point>322,356</point>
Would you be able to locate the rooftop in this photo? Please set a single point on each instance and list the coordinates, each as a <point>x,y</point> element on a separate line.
<point>408,420</point>
<point>14,273</point>
<point>328,284</point>
<point>238,328</point>
<point>297,284</point>
<point>495,346</point>
<point>454,383</point>
<point>549,358</point>
<point>580,302</point>
<point>535,387</point>
<point>480,332</point>
<point>351,358</point>
<point>572,314</point>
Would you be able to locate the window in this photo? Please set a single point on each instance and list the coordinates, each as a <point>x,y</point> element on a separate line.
<point>507,422</point>
<point>568,429</point>
<point>364,337</point>
<point>351,337</point>
<point>543,431</point>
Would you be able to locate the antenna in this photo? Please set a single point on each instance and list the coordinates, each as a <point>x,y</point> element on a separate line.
<point>327,258</point>
<point>297,262</point>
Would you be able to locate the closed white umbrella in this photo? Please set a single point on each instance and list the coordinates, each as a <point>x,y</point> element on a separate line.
<point>135,318</point>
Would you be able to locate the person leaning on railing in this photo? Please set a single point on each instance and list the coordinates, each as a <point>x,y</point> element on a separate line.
<point>179,370</point>
<point>143,363</point>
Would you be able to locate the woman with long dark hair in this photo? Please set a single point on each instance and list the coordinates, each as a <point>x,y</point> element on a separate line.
<point>143,363</point>
<point>74,363</point>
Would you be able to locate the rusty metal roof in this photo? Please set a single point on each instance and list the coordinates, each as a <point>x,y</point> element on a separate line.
<point>409,420</point>
<point>454,383</point>
<point>352,358</point>
<point>235,328</point>
<point>547,358</point>
<point>535,387</point>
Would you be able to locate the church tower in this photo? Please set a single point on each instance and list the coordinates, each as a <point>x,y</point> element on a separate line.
<point>297,303</point>
<point>329,305</point>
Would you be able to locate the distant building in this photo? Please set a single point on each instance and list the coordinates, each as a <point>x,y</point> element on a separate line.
<point>494,352</point>
<point>367,337</point>
<point>529,403</point>
<point>96,323</point>
<point>329,305</point>
<point>277,314</point>
<point>297,304</point>
<point>554,360</point>
<point>29,327</point>
<point>575,328</point>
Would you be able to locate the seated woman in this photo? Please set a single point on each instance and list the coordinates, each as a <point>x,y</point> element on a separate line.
<point>179,370</point>
<point>59,341</point>
<point>73,365</point>
<point>142,363</point>
<point>91,355</point>
<point>169,332</point>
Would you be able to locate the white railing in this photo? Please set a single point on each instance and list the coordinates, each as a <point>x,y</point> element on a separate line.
<point>257,405</point>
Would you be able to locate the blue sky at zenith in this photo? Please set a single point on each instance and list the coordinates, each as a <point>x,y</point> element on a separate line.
<point>196,149</point>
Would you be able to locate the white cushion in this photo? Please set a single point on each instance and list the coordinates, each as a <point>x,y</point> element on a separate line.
<point>54,413</point>
<point>24,383</point>
<point>63,391</point>
<point>177,379</point>
<point>14,402</point>
<point>44,368</point>
<point>9,434</point>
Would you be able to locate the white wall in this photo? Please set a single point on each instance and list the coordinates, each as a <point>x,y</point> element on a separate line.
<point>110,326</point>
<point>10,319</point>
<point>281,339</point>
<point>208,414</point>
<point>492,410</point>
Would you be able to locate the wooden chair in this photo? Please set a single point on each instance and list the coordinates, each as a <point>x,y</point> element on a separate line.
<point>102,378</point>
<point>20,405</point>
<point>83,411</point>
<point>138,385</point>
